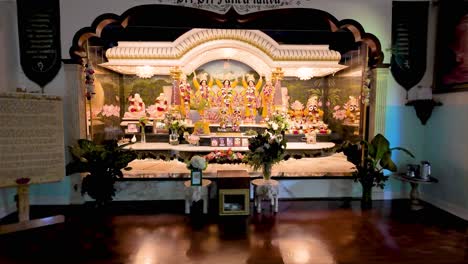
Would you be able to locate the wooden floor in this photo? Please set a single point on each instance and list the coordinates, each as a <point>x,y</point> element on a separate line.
<point>302,232</point>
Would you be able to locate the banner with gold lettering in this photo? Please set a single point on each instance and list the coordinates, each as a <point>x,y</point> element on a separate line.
<point>39,38</point>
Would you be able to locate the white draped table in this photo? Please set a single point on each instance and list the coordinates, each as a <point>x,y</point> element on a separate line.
<point>195,194</point>
<point>266,189</point>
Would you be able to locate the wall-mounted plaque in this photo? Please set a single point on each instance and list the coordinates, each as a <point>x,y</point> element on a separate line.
<point>39,39</point>
<point>409,41</point>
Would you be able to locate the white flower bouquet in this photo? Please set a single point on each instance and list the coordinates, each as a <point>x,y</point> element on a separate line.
<point>197,163</point>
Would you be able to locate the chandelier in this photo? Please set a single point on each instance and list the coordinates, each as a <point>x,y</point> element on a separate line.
<point>305,73</point>
<point>145,72</point>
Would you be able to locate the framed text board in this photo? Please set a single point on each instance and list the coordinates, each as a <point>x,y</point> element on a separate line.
<point>31,145</point>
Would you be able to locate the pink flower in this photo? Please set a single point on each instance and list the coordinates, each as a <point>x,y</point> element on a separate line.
<point>339,114</point>
<point>336,107</point>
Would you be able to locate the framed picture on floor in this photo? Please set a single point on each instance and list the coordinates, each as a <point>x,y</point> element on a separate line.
<point>196,177</point>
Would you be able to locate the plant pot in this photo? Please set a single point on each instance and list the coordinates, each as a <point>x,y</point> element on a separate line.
<point>366,200</point>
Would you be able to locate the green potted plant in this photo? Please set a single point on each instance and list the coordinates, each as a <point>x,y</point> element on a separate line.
<point>371,159</point>
<point>103,163</point>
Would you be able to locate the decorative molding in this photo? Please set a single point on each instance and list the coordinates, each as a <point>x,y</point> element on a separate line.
<point>199,46</point>
<point>231,19</point>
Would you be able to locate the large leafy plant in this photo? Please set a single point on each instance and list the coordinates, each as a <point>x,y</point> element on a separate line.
<point>103,163</point>
<point>371,159</point>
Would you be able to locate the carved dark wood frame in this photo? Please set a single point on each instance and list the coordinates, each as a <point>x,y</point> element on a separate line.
<point>229,20</point>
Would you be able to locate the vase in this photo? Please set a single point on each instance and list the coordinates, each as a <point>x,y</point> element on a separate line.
<point>267,171</point>
<point>143,137</point>
<point>174,138</point>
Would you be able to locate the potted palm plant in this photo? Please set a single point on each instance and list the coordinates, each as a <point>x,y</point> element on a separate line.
<point>103,163</point>
<point>371,159</point>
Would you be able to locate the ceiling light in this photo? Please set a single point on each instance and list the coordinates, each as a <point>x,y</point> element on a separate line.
<point>305,73</point>
<point>145,71</point>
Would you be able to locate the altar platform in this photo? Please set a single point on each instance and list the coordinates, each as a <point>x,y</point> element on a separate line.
<point>333,166</point>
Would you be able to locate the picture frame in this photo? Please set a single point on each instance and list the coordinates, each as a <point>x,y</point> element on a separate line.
<point>196,177</point>
<point>222,142</point>
<point>451,54</point>
<point>234,202</point>
<point>133,128</point>
<point>230,142</point>
<point>237,142</point>
<point>214,142</point>
<point>245,142</point>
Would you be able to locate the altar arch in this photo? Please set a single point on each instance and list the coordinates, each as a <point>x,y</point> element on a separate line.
<point>199,46</point>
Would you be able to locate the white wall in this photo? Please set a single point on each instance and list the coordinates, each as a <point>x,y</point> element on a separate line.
<point>447,150</point>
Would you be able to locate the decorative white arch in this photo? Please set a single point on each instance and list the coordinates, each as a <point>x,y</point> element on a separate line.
<point>199,46</point>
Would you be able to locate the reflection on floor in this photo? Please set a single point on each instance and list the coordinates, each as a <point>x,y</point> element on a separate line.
<point>302,232</point>
<point>334,165</point>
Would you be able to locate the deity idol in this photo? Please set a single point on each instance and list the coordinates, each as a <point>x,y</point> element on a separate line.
<point>159,108</point>
<point>185,92</point>
<point>225,92</point>
<point>136,108</point>
<point>267,95</point>
<point>236,119</point>
<point>313,113</point>
<point>223,118</point>
<point>352,111</point>
<point>203,88</point>
<point>251,96</point>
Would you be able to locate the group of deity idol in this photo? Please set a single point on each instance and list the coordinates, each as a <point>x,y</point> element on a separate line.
<point>236,104</point>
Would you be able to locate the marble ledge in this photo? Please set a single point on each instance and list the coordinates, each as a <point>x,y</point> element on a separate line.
<point>332,166</point>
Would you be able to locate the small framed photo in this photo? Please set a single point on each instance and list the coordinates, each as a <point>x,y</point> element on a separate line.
<point>214,142</point>
<point>196,177</point>
<point>245,142</point>
<point>237,142</point>
<point>222,142</point>
<point>230,142</point>
<point>132,128</point>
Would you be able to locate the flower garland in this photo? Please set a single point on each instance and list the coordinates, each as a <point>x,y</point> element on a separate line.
<point>225,157</point>
<point>89,81</point>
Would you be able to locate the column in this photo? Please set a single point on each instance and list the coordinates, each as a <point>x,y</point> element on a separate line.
<point>378,100</point>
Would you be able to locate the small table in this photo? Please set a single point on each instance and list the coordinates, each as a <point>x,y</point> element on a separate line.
<point>195,194</point>
<point>266,189</point>
<point>414,181</point>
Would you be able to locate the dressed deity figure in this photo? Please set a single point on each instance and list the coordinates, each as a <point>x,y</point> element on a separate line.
<point>352,110</point>
<point>267,96</point>
<point>223,118</point>
<point>313,113</point>
<point>136,108</point>
<point>202,86</point>
<point>225,93</point>
<point>185,92</point>
<point>251,96</point>
<point>236,119</point>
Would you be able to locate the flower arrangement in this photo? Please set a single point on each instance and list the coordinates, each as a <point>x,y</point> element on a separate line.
<point>197,163</point>
<point>266,148</point>
<point>174,123</point>
<point>278,123</point>
<point>225,157</point>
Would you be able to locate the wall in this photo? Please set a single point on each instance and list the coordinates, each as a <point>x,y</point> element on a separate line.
<point>448,153</point>
<point>374,15</point>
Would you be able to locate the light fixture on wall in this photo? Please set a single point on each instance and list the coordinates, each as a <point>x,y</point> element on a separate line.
<point>144,72</point>
<point>305,73</point>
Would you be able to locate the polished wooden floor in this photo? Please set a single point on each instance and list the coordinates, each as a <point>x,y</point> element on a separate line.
<point>302,232</point>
